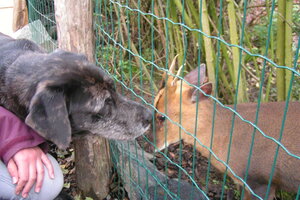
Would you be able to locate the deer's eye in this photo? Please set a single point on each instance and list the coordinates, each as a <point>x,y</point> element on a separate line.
<point>161,118</point>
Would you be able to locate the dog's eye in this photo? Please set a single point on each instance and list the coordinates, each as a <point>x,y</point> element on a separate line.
<point>161,118</point>
<point>97,117</point>
<point>109,101</point>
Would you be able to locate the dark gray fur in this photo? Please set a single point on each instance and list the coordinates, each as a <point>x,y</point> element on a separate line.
<point>61,93</point>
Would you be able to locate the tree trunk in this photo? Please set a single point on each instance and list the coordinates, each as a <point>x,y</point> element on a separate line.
<point>20,14</point>
<point>75,33</point>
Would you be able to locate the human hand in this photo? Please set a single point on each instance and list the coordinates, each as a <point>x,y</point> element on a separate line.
<point>26,168</point>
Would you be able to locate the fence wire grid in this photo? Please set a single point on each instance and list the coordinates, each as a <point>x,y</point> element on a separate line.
<point>246,61</point>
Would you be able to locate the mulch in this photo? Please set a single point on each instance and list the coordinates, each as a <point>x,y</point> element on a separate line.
<point>198,171</point>
<point>67,164</point>
<point>195,165</point>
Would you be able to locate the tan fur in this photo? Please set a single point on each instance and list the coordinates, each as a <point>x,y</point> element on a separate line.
<point>287,170</point>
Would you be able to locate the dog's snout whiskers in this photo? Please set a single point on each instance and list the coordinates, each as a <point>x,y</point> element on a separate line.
<point>147,118</point>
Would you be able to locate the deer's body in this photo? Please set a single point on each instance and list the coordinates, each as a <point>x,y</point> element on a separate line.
<point>287,168</point>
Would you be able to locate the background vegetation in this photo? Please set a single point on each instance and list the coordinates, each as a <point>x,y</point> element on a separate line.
<point>250,49</point>
<point>241,42</point>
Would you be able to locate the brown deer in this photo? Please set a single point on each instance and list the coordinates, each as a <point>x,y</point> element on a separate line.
<point>287,168</point>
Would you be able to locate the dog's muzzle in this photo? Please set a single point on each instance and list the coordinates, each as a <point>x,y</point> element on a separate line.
<point>147,118</point>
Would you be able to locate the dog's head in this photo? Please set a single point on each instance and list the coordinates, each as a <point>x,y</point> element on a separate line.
<point>75,97</point>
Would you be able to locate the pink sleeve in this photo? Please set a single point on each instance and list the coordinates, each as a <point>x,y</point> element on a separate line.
<point>15,135</point>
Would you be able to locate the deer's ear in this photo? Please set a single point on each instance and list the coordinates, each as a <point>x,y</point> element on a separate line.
<point>197,76</point>
<point>198,95</point>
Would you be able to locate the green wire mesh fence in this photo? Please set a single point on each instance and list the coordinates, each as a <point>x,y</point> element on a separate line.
<point>251,52</point>
<point>137,40</point>
<point>42,26</point>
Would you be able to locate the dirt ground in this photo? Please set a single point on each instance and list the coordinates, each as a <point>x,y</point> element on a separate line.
<point>66,160</point>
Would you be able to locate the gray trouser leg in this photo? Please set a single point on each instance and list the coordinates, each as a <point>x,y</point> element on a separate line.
<point>50,189</point>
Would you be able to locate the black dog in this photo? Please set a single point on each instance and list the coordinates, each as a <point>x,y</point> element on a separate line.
<point>62,93</point>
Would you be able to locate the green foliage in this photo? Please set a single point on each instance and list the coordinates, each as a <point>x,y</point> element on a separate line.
<point>259,34</point>
<point>237,194</point>
<point>145,36</point>
<point>296,18</point>
<point>285,195</point>
<point>78,197</point>
<point>296,90</point>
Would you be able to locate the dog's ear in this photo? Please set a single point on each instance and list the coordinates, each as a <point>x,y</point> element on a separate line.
<point>48,115</point>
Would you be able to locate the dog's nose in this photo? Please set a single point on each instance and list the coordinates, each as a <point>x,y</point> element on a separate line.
<point>147,117</point>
